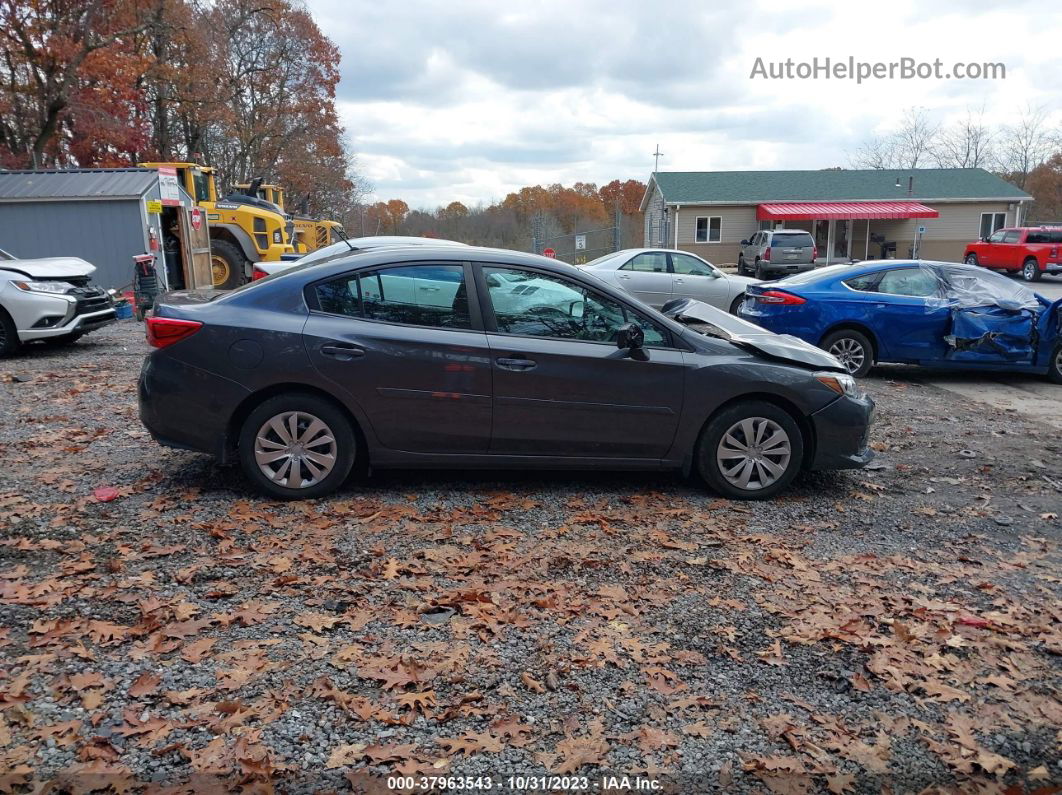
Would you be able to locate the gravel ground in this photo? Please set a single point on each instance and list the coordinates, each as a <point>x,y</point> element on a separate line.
<point>896,628</point>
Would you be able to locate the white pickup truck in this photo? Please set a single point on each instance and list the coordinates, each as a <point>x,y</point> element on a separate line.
<point>49,299</point>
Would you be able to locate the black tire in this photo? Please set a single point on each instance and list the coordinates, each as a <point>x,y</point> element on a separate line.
<point>1030,270</point>
<point>63,341</point>
<point>308,407</point>
<point>226,262</point>
<point>709,448</point>
<point>736,304</point>
<point>761,274</point>
<point>1054,367</point>
<point>9,342</point>
<point>971,259</point>
<point>742,270</point>
<point>857,362</point>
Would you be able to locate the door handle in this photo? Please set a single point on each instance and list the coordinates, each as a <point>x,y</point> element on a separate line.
<point>343,351</point>
<point>678,281</point>
<point>624,276</point>
<point>515,364</point>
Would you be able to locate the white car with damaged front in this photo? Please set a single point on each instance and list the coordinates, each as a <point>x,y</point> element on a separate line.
<point>50,299</point>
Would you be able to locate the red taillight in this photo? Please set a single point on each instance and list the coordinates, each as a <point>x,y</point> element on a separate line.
<point>767,254</point>
<point>814,253</point>
<point>1054,251</point>
<point>778,297</point>
<point>258,273</point>
<point>163,331</point>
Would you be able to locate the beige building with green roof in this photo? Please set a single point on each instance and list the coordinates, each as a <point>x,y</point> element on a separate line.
<point>851,213</point>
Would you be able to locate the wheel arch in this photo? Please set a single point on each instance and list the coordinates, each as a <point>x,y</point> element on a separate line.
<point>852,325</point>
<point>807,429</point>
<point>237,236</point>
<point>255,399</point>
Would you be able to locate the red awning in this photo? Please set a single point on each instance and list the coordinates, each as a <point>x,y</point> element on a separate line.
<point>813,211</point>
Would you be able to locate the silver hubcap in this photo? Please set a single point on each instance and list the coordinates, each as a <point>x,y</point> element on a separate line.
<point>754,453</point>
<point>1030,271</point>
<point>971,260</point>
<point>295,449</point>
<point>849,352</point>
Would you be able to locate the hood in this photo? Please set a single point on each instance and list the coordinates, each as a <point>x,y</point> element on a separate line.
<point>712,322</point>
<point>49,267</point>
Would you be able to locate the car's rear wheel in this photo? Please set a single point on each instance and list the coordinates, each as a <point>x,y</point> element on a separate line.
<point>296,446</point>
<point>971,259</point>
<point>852,348</point>
<point>1030,270</point>
<point>742,269</point>
<point>1054,368</point>
<point>750,451</point>
<point>9,343</point>
<point>761,274</point>
<point>736,304</point>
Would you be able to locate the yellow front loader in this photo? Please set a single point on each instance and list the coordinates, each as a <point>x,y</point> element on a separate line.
<point>309,234</point>
<point>241,233</point>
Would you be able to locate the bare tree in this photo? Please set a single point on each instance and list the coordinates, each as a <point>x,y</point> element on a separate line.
<point>1025,144</point>
<point>966,144</point>
<point>908,147</point>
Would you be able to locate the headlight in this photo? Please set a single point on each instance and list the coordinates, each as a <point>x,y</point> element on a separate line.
<point>55,288</point>
<point>277,237</point>
<point>841,383</point>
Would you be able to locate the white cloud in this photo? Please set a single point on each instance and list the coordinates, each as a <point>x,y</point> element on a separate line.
<point>469,100</point>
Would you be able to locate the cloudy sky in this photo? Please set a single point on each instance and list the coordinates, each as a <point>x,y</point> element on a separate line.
<point>470,99</point>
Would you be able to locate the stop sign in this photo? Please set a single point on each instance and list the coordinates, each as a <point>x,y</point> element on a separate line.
<point>197,218</point>
<point>549,253</point>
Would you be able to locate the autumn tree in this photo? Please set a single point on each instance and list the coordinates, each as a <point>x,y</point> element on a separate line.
<point>1045,185</point>
<point>68,74</point>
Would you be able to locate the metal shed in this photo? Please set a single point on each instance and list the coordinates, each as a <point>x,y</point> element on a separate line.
<point>99,215</point>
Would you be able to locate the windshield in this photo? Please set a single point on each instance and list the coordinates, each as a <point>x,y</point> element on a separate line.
<point>792,239</point>
<point>815,275</point>
<point>201,183</point>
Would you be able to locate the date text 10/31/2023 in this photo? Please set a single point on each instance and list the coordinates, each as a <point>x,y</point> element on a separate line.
<point>603,784</point>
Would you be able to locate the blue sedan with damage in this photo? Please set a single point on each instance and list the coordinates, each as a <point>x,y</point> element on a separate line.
<point>914,312</point>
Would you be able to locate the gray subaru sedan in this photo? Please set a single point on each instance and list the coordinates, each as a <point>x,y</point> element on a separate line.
<point>471,357</point>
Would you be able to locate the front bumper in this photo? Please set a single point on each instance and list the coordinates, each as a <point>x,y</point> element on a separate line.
<point>842,433</point>
<point>42,316</point>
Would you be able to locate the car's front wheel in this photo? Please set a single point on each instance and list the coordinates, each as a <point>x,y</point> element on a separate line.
<point>971,259</point>
<point>296,446</point>
<point>735,305</point>
<point>750,451</point>
<point>9,342</point>
<point>852,349</point>
<point>1030,270</point>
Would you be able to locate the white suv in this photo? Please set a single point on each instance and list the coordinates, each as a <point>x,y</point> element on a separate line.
<point>49,299</point>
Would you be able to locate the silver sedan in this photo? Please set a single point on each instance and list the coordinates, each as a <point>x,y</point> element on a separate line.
<point>658,275</point>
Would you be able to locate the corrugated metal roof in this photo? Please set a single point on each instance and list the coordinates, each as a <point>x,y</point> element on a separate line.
<point>83,183</point>
<point>812,211</point>
<point>753,187</point>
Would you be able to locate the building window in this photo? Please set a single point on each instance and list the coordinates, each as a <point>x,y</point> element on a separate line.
<point>990,222</point>
<point>709,229</point>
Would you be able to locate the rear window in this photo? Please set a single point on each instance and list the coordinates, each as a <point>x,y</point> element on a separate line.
<point>1044,236</point>
<point>815,275</point>
<point>793,239</point>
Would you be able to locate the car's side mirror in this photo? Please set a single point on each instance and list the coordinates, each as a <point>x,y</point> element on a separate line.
<point>577,309</point>
<point>630,337</point>
<point>984,238</point>
<point>744,242</point>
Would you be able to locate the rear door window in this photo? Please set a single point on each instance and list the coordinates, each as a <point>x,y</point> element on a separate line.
<point>866,283</point>
<point>1013,236</point>
<point>418,295</point>
<point>647,262</point>
<point>917,282</point>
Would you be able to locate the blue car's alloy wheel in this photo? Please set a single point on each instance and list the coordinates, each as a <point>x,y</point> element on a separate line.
<point>852,349</point>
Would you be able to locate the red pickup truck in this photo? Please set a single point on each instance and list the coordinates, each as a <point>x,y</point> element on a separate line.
<point>1030,250</point>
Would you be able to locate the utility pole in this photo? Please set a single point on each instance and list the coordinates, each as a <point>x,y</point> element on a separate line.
<point>656,159</point>
<point>616,218</point>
